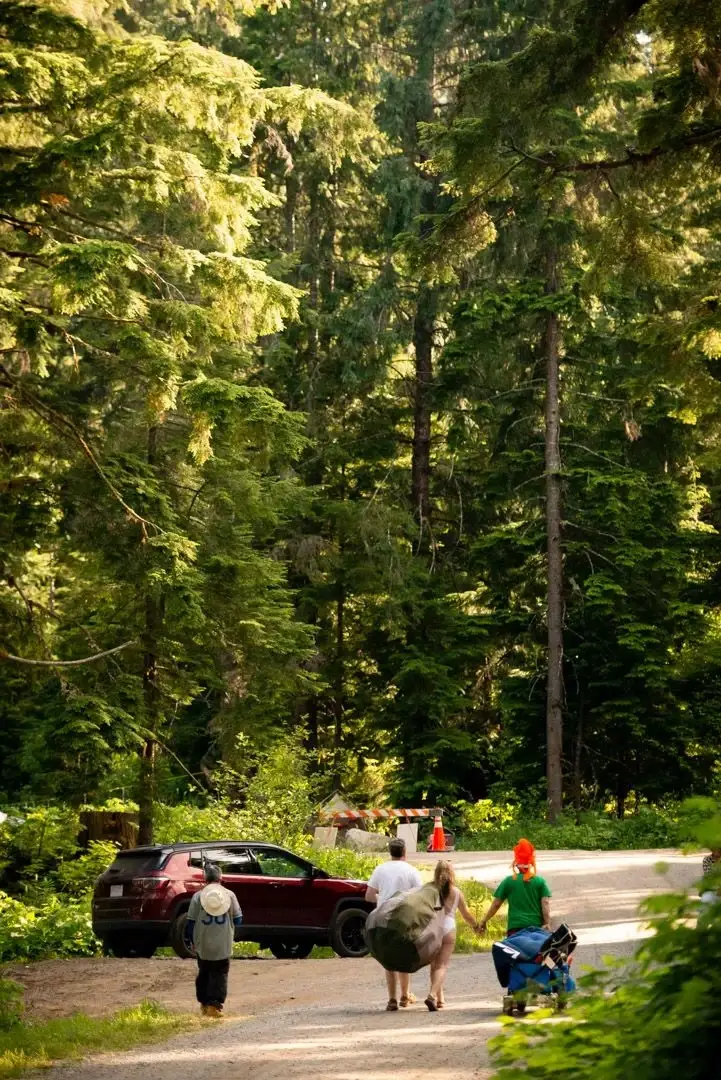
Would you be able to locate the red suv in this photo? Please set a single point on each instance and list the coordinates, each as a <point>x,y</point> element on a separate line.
<point>140,903</point>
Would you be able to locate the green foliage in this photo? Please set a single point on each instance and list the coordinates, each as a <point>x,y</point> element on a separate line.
<point>79,875</point>
<point>342,862</point>
<point>38,1045</point>
<point>56,927</point>
<point>267,797</point>
<point>593,831</point>
<point>11,1004</point>
<point>649,1017</point>
<point>36,840</point>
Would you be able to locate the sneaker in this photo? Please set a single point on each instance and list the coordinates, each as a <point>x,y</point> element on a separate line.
<point>392,1005</point>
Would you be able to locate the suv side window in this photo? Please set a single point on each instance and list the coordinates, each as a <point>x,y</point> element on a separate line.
<point>275,863</point>
<point>229,861</point>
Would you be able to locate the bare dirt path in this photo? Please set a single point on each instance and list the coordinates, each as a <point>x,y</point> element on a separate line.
<point>301,1020</point>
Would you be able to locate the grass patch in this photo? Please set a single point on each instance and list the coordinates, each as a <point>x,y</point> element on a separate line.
<point>478,897</point>
<point>37,1045</point>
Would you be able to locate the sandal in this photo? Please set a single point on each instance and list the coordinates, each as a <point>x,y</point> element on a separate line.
<point>411,999</point>
<point>440,1004</point>
<point>431,1003</point>
<point>392,1005</point>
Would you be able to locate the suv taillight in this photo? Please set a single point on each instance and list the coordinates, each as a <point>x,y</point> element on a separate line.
<point>150,884</point>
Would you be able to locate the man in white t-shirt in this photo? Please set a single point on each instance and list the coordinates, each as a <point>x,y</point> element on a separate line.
<point>385,881</point>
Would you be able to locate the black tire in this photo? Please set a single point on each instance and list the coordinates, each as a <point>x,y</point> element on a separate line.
<point>178,940</point>
<point>346,934</point>
<point>130,948</point>
<point>291,950</point>
<point>521,1008</point>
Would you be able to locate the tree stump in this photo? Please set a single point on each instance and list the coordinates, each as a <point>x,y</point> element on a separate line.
<point>119,827</point>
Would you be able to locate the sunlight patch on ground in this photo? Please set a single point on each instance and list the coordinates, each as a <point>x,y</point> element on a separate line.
<point>612,933</point>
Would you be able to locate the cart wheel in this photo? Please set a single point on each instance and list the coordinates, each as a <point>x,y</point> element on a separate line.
<point>508,1004</point>
<point>521,1008</point>
<point>561,1005</point>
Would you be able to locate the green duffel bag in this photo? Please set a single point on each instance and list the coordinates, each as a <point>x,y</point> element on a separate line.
<point>405,932</point>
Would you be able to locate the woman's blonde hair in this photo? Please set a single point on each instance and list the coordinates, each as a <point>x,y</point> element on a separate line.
<point>444,877</point>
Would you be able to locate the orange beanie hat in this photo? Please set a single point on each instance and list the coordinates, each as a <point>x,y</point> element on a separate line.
<point>524,854</point>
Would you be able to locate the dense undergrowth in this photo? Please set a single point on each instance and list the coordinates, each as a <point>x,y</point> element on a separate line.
<point>487,826</point>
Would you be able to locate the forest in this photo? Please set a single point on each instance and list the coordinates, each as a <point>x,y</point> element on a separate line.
<point>360,373</point>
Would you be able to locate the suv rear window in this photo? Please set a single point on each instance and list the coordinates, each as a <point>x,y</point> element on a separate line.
<point>137,863</point>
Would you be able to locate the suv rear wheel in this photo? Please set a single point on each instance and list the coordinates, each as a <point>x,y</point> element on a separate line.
<point>346,933</point>
<point>178,938</point>
<point>291,950</point>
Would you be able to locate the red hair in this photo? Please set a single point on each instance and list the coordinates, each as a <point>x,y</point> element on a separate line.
<point>524,854</point>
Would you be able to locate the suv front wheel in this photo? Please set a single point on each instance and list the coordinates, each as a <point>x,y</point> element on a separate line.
<point>347,933</point>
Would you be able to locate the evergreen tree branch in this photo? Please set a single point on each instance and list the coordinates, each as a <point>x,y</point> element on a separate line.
<point>29,255</point>
<point>58,421</point>
<point>113,230</point>
<point>32,605</point>
<point>634,157</point>
<point>4,655</point>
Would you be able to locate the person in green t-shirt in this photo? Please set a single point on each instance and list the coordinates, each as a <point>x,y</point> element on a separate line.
<point>528,895</point>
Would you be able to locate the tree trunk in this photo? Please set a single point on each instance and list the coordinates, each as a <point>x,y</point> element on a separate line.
<point>339,690</point>
<point>423,331</point>
<point>577,756</point>
<point>428,31</point>
<point>312,742</point>
<point>292,189</point>
<point>151,695</point>
<point>554,698</point>
<point>313,258</point>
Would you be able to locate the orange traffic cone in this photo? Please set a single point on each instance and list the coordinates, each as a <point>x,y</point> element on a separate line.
<point>438,840</point>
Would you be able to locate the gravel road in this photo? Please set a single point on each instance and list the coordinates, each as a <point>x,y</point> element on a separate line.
<point>325,1018</point>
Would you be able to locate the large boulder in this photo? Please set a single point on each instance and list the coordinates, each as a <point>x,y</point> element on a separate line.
<point>360,840</point>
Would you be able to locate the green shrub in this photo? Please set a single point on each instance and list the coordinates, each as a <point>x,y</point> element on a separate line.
<point>342,862</point>
<point>78,876</point>
<point>485,815</point>
<point>58,928</point>
<point>193,824</point>
<point>34,842</point>
<point>11,1003</point>
<point>484,829</point>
